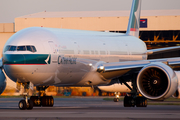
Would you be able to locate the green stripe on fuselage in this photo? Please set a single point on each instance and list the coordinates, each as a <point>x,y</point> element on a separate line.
<point>26,58</point>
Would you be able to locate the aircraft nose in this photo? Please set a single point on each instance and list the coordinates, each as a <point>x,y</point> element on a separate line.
<point>12,65</point>
<point>9,59</point>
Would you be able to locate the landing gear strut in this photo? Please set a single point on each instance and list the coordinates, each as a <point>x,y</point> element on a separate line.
<point>42,99</point>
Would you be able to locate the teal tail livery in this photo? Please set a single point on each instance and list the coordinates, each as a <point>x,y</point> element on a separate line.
<point>116,62</point>
<point>134,19</point>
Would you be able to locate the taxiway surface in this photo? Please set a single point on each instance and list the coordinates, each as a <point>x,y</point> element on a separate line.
<point>86,108</point>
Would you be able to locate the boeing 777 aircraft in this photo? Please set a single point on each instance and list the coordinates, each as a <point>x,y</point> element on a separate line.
<point>43,57</point>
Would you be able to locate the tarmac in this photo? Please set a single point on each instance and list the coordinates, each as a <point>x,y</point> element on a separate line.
<point>86,108</point>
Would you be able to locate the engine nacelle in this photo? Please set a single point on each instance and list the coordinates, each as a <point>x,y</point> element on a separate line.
<point>157,81</point>
<point>2,81</point>
<point>177,93</point>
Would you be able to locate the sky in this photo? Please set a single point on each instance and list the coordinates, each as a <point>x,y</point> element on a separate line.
<point>10,9</point>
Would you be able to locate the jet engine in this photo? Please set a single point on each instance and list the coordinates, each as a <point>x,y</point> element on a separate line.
<point>2,81</point>
<point>177,93</point>
<point>157,81</point>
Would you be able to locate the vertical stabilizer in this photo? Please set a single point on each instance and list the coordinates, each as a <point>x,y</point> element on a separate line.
<point>134,19</point>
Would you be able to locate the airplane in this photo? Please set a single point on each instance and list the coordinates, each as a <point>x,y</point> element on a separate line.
<point>43,57</point>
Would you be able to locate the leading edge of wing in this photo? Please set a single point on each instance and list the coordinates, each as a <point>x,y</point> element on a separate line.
<point>160,50</point>
<point>109,67</point>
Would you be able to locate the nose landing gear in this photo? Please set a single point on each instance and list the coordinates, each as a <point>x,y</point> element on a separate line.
<point>116,99</point>
<point>26,103</point>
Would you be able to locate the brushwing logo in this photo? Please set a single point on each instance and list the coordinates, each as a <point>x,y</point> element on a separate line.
<point>48,60</point>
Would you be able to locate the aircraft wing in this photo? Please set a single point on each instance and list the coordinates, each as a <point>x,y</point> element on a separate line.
<point>112,70</point>
<point>160,50</point>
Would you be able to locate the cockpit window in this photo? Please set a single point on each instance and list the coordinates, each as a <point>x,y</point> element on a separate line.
<point>12,48</point>
<point>7,48</point>
<point>31,48</point>
<point>20,48</point>
<point>28,48</point>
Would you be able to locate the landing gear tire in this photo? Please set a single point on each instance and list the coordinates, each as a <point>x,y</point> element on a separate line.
<point>30,106</point>
<point>116,99</point>
<point>141,102</point>
<point>129,101</point>
<point>47,101</point>
<point>22,105</point>
<point>36,101</point>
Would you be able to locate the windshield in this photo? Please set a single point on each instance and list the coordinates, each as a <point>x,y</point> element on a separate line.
<point>20,48</point>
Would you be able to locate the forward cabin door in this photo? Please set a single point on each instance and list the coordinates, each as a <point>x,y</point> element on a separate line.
<point>54,52</point>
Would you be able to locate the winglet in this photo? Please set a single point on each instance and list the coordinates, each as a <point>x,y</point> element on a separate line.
<point>134,19</point>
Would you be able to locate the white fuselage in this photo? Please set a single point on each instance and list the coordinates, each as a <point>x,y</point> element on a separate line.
<point>67,57</point>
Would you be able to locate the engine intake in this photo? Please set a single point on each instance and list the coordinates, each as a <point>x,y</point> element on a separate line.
<point>157,81</point>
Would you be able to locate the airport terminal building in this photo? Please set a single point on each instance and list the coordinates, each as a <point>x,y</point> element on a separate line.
<point>158,28</point>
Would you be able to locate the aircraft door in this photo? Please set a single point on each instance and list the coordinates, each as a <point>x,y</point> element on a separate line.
<point>54,52</point>
<point>77,49</point>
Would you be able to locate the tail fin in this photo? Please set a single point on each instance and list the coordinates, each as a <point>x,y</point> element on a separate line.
<point>134,19</point>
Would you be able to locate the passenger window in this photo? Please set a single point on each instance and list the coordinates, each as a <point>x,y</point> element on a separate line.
<point>12,48</point>
<point>21,48</point>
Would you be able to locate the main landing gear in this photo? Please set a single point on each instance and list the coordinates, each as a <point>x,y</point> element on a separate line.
<point>133,98</point>
<point>38,101</point>
<point>132,101</point>
<point>42,99</point>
